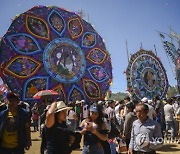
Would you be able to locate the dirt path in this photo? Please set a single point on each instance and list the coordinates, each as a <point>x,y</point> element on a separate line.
<point>166,149</point>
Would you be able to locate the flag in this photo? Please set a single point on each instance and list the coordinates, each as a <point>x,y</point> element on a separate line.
<point>174,34</point>
<point>168,48</point>
<point>162,36</point>
<point>3,89</point>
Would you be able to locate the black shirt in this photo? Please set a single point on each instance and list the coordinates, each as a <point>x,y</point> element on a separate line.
<point>58,139</point>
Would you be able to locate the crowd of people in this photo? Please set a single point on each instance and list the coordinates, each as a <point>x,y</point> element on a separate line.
<point>107,127</point>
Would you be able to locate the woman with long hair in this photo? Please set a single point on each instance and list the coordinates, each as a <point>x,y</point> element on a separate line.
<point>59,139</point>
<point>94,130</point>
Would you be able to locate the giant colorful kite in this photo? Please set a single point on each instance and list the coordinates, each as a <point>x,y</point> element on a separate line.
<point>52,48</point>
<point>173,52</point>
<point>146,76</point>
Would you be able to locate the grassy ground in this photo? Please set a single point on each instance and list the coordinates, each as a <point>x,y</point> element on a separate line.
<point>168,148</point>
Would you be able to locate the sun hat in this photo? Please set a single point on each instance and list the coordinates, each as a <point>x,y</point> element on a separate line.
<point>60,106</point>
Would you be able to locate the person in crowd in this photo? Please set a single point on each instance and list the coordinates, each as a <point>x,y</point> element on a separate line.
<point>35,117</point>
<point>14,128</point>
<point>146,134</point>
<point>130,117</point>
<point>111,118</point>
<point>118,104</point>
<point>160,119</point>
<point>94,131</point>
<point>26,107</point>
<point>110,110</point>
<point>127,100</point>
<point>59,140</point>
<point>169,118</point>
<point>152,112</point>
<point>119,119</point>
<point>135,102</point>
<point>43,133</point>
<point>45,103</point>
<point>159,104</point>
<point>72,118</point>
<point>85,110</point>
<point>78,111</point>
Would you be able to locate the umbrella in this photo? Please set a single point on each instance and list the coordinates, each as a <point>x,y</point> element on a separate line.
<point>42,93</point>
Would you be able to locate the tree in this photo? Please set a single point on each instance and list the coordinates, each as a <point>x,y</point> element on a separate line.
<point>172,91</point>
<point>117,96</point>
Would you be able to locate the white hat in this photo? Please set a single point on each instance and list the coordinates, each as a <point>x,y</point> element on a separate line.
<point>100,102</point>
<point>82,101</point>
<point>60,106</point>
<point>150,101</point>
<point>144,100</point>
<point>77,102</point>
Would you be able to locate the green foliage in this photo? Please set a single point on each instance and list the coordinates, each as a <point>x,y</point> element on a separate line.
<point>117,96</point>
<point>172,91</point>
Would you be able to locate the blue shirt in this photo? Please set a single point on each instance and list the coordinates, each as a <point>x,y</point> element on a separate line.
<point>145,136</point>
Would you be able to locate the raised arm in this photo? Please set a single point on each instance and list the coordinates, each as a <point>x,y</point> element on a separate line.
<point>50,118</point>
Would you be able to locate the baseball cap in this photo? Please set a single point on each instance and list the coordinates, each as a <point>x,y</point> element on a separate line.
<point>94,108</point>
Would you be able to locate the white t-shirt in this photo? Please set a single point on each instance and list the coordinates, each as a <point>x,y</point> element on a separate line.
<point>151,112</point>
<point>168,112</point>
<point>71,114</point>
<point>85,111</point>
<point>117,109</point>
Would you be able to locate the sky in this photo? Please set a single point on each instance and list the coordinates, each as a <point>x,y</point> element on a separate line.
<point>136,21</point>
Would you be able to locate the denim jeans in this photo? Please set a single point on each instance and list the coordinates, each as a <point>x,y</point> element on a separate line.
<point>170,125</point>
<point>92,149</point>
<point>113,147</point>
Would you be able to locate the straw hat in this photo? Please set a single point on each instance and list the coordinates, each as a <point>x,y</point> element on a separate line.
<point>60,106</point>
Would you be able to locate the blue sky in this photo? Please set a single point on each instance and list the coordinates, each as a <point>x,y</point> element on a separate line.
<point>116,21</point>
